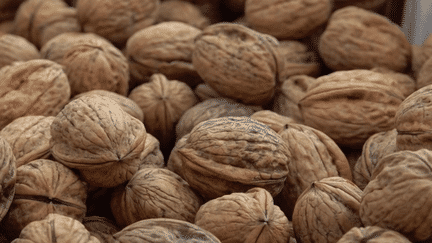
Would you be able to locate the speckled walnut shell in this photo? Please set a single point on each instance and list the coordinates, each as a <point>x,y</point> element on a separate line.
<point>101,228</point>
<point>350,106</point>
<point>375,148</point>
<point>163,102</point>
<point>233,154</point>
<point>413,121</point>
<point>287,19</point>
<point>154,193</point>
<point>403,82</point>
<point>56,228</point>
<point>40,20</point>
<point>182,11</point>
<point>93,63</point>
<point>164,231</point>
<point>366,4</point>
<point>208,109</point>
<point>7,176</point>
<point>35,87</point>
<point>114,20</point>
<point>44,187</point>
<point>237,62</point>
<point>272,119</point>
<point>164,48</point>
<point>94,133</point>
<point>327,210</point>
<point>245,217</point>
<point>29,137</point>
<point>356,38</point>
<point>372,234</point>
<point>401,179</point>
<point>14,48</point>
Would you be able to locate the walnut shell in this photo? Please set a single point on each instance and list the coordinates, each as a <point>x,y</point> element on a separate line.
<point>366,4</point>
<point>94,133</point>
<point>35,87</point>
<point>8,177</point>
<point>424,77</point>
<point>114,20</point>
<point>350,106</point>
<point>420,54</point>
<point>327,210</point>
<point>30,137</point>
<point>14,48</point>
<point>356,38</point>
<point>233,154</point>
<point>244,217</point>
<point>372,234</point>
<point>287,19</point>
<point>182,11</point>
<point>205,92</point>
<point>404,82</point>
<point>272,119</point>
<point>44,187</point>
<point>101,228</point>
<point>400,179</point>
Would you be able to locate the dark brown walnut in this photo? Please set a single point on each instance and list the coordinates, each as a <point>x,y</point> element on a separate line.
<point>127,104</point>
<point>208,109</point>
<point>35,87</point>
<point>164,48</point>
<point>327,210</point>
<point>164,231</point>
<point>287,19</point>
<point>245,217</point>
<point>356,38</point>
<point>101,228</point>
<point>40,20</point>
<point>7,177</point>
<point>29,137</point>
<point>163,102</point>
<point>44,187</point>
<point>350,106</point>
<point>114,20</point>
<point>154,193</point>
<point>404,82</point>
<point>14,48</point>
<point>56,228</point>
<point>315,156</point>
<point>94,133</point>
<point>182,11</point>
<point>420,54</point>
<point>365,4</point>
<point>375,148</point>
<point>205,92</point>
<point>233,154</point>
<point>94,63</point>
<point>413,121</point>
<point>371,234</point>
<point>272,119</point>
<point>287,97</point>
<point>400,179</point>
<point>238,62</point>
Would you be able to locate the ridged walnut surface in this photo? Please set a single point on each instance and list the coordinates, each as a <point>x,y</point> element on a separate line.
<point>182,11</point>
<point>405,83</point>
<point>372,234</point>
<point>101,228</point>
<point>272,119</point>
<point>14,48</point>
<point>7,176</point>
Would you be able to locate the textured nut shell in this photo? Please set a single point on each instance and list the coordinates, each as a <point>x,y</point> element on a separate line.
<point>376,147</point>
<point>233,154</point>
<point>163,102</point>
<point>94,63</point>
<point>403,82</point>
<point>208,109</point>
<point>101,228</point>
<point>205,92</point>
<point>56,228</point>
<point>152,156</point>
<point>421,54</point>
<point>357,38</point>
<point>29,137</point>
<point>174,162</point>
<point>366,4</point>
<point>44,187</point>
<point>244,217</point>
<point>94,132</point>
<point>424,76</point>
<point>372,234</point>
<point>7,176</point>
<point>272,119</point>
<point>400,179</point>
<point>350,106</point>
<point>287,19</point>
<point>14,48</point>
<point>327,210</point>
<point>114,20</point>
<point>35,87</point>
<point>154,193</point>
<point>182,11</point>
<point>237,62</point>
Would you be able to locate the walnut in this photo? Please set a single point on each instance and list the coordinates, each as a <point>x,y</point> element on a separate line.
<point>372,234</point>
<point>272,119</point>
<point>327,210</point>
<point>245,217</point>
<point>424,77</point>
<point>14,48</point>
<point>356,38</point>
<point>365,4</point>
<point>205,92</point>
<point>182,11</point>
<point>101,228</point>
<point>116,20</point>
<point>30,138</point>
<point>8,177</point>
<point>287,19</point>
<point>40,20</point>
<point>7,27</point>
<point>94,133</point>
<point>35,87</point>
<point>405,83</point>
<point>420,54</point>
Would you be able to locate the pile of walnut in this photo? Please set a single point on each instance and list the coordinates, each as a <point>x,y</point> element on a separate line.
<point>212,121</point>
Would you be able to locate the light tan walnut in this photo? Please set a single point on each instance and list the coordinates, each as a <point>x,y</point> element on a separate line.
<point>14,48</point>
<point>272,119</point>
<point>7,177</point>
<point>182,11</point>
<point>372,234</point>
<point>404,82</point>
<point>420,54</point>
